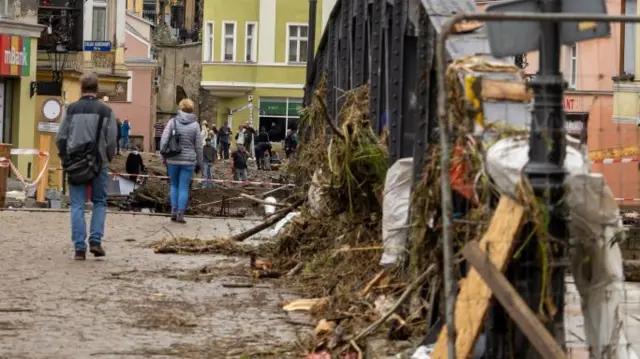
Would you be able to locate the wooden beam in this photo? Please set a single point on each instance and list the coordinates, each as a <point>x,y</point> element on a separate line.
<point>474,298</point>
<point>518,310</point>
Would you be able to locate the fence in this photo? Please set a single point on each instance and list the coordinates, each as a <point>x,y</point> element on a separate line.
<point>391,46</point>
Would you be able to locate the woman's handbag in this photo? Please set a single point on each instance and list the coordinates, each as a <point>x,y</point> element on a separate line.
<point>172,147</point>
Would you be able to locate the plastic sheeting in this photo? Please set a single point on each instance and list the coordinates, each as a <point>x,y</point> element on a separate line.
<point>595,257</point>
<point>395,211</point>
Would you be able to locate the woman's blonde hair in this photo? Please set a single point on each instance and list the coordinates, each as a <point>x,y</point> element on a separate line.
<point>186,105</point>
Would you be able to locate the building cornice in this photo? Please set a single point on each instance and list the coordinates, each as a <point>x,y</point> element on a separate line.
<point>19,28</point>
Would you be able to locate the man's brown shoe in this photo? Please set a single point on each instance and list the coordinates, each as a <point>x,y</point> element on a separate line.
<point>96,249</point>
<point>80,255</point>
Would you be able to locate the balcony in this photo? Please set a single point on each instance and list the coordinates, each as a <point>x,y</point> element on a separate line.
<point>102,63</point>
<point>626,99</point>
<point>63,19</point>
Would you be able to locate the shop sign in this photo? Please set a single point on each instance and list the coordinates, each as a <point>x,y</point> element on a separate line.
<point>51,127</point>
<point>273,108</point>
<point>295,108</point>
<point>280,108</point>
<point>15,59</point>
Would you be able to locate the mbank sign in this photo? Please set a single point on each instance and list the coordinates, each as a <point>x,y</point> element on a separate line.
<point>15,55</point>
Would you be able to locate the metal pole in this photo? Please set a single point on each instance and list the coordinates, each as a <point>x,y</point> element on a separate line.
<point>554,156</point>
<point>311,47</point>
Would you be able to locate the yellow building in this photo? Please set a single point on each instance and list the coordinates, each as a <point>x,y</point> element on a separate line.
<point>257,49</point>
<point>18,44</point>
<point>65,52</point>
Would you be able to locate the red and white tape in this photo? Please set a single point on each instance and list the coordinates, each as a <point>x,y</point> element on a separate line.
<point>252,183</point>
<point>606,161</point>
<point>627,199</point>
<point>6,162</point>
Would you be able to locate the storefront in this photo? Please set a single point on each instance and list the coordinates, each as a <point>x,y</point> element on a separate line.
<point>277,115</point>
<point>18,44</point>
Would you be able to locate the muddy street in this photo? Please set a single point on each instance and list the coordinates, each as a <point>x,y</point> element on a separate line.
<point>134,303</point>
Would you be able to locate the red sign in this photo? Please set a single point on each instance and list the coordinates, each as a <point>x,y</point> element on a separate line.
<point>569,104</point>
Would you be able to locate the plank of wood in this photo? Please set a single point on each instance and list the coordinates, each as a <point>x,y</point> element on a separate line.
<point>474,297</point>
<point>505,90</point>
<point>518,310</point>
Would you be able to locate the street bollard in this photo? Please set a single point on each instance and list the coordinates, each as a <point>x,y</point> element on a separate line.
<point>5,151</point>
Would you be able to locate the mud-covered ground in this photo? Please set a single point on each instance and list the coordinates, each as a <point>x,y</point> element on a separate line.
<point>134,303</point>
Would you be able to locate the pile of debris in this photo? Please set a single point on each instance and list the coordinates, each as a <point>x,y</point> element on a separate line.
<point>368,267</point>
<point>225,198</point>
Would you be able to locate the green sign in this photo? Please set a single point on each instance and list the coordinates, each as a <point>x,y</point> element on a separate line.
<point>273,108</point>
<point>279,107</point>
<point>294,108</point>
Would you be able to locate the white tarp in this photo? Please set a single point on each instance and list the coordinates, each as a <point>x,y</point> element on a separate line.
<point>595,224</point>
<point>395,211</point>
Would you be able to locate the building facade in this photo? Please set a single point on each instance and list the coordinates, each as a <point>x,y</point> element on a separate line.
<point>79,36</point>
<point>19,34</point>
<point>601,103</point>
<point>182,16</point>
<point>257,49</point>
<point>626,107</point>
<point>138,103</point>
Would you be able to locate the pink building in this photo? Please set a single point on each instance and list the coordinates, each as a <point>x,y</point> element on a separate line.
<point>139,103</point>
<point>591,69</point>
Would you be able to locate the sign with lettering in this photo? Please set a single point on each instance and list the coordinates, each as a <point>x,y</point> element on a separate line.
<point>51,127</point>
<point>15,55</point>
<point>97,46</point>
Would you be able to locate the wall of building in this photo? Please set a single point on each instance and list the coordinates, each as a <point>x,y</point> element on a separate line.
<point>141,25</point>
<point>180,66</point>
<point>140,111</point>
<point>135,47</point>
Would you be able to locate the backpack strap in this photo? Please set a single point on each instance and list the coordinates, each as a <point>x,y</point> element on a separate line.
<point>103,113</point>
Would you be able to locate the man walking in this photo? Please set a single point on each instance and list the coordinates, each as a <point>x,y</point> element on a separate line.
<point>86,142</point>
<point>224,137</point>
<point>208,158</point>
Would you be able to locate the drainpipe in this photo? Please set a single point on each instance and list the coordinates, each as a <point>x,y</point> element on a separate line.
<point>311,47</point>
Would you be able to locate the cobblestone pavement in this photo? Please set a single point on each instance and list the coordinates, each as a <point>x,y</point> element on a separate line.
<point>134,303</point>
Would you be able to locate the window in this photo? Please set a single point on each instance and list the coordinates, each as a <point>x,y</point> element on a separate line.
<point>149,10</point>
<point>228,41</point>
<point>208,41</point>
<point>297,39</point>
<point>573,67</point>
<point>629,35</point>
<point>251,42</point>
<point>99,31</point>
<point>277,115</point>
<point>4,8</point>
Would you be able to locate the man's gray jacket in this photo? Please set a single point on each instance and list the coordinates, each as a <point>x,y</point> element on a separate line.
<point>79,126</point>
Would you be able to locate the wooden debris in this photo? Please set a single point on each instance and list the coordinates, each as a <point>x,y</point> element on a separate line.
<point>295,270</point>
<point>474,298</point>
<point>410,288</point>
<point>258,200</point>
<point>275,218</point>
<point>308,305</point>
<point>518,310</point>
<point>324,327</point>
<point>505,90</point>
<point>466,27</point>
<point>259,263</point>
<point>374,282</point>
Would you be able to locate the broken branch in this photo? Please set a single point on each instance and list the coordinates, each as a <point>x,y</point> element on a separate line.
<point>328,118</point>
<point>275,218</point>
<point>258,200</point>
